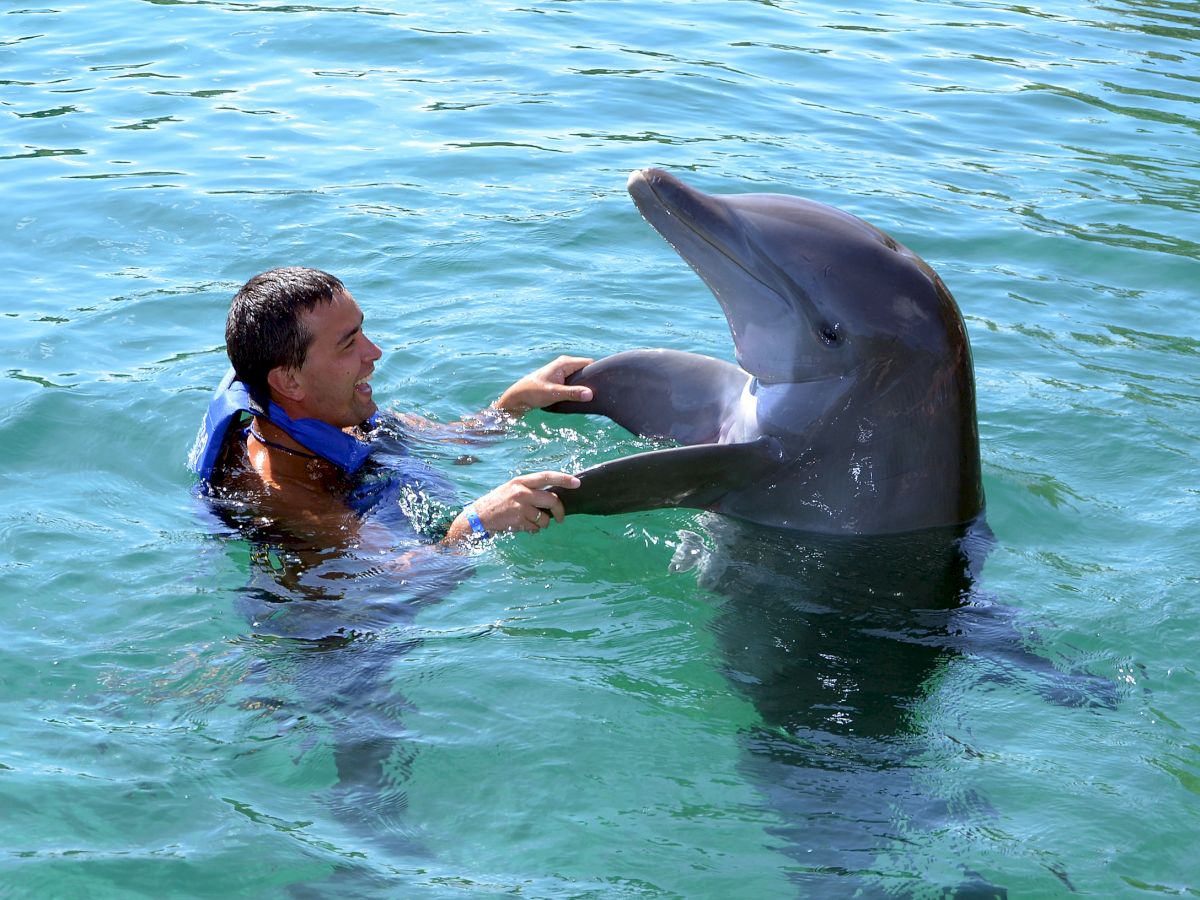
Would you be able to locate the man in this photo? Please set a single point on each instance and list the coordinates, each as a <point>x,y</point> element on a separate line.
<point>303,366</point>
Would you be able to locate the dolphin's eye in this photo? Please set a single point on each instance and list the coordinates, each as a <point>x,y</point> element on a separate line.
<point>830,335</point>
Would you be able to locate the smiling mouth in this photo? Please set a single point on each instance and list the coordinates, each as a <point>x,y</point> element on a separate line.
<point>363,385</point>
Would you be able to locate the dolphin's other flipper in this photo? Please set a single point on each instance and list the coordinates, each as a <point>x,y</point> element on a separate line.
<point>692,477</point>
<point>661,393</point>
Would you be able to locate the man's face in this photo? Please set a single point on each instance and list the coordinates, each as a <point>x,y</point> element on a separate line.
<point>333,380</point>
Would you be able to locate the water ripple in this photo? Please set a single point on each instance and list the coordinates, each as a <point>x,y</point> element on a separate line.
<point>463,167</point>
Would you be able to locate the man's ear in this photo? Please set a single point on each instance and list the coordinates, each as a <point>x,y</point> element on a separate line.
<point>285,384</point>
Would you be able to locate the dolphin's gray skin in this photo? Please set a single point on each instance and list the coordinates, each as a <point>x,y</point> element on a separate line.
<point>852,407</point>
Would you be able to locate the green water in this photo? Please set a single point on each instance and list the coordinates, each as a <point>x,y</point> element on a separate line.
<point>558,725</point>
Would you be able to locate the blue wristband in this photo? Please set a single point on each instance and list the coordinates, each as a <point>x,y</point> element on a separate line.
<point>477,528</point>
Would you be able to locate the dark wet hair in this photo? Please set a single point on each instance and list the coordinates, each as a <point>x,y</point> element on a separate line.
<point>263,329</point>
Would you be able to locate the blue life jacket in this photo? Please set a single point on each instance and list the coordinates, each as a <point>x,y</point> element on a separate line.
<point>232,399</point>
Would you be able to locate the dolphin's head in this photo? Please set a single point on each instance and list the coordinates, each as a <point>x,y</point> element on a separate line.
<point>810,292</point>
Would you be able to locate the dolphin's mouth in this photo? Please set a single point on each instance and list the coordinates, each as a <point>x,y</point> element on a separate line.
<point>695,225</point>
<point>651,186</point>
<point>648,189</point>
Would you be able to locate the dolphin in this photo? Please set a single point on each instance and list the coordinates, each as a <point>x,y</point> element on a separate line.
<point>851,409</point>
<point>840,455</point>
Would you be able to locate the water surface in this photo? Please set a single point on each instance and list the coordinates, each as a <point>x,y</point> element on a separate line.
<point>559,724</point>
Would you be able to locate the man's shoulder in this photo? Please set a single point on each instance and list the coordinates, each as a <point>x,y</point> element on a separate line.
<point>231,464</point>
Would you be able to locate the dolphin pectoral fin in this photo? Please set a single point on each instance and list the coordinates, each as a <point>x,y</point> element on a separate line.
<point>693,477</point>
<point>660,393</point>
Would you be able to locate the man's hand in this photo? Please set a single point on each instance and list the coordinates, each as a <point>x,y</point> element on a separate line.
<point>544,386</point>
<point>522,504</point>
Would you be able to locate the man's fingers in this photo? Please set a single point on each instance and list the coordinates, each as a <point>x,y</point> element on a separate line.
<point>556,393</point>
<point>539,481</point>
<point>552,506</point>
<point>543,500</point>
<point>527,502</point>
<point>578,393</point>
<point>565,366</point>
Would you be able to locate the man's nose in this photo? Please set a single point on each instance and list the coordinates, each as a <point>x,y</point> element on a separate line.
<point>373,351</point>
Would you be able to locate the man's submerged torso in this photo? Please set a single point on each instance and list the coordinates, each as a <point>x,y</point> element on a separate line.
<point>365,539</point>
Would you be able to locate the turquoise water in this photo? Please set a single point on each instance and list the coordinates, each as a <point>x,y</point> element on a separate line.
<point>558,725</point>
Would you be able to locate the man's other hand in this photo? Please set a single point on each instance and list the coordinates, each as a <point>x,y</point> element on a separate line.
<point>545,386</point>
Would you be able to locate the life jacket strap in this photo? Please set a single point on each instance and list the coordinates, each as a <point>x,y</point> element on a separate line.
<point>232,400</point>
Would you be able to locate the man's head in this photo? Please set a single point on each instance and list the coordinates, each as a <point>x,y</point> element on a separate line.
<point>295,335</point>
